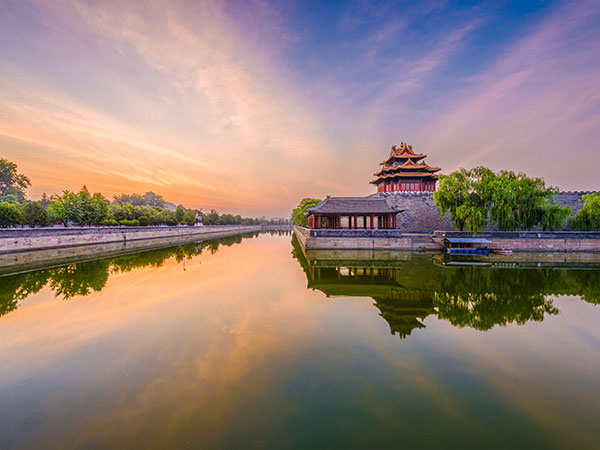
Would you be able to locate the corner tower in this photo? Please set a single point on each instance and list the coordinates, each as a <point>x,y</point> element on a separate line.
<point>404,171</point>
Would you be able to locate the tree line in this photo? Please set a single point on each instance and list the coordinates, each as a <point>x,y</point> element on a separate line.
<point>85,208</point>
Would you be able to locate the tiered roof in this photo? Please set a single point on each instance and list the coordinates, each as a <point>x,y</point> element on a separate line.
<point>403,162</point>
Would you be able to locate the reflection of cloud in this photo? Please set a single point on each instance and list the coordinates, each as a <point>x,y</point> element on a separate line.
<point>539,371</point>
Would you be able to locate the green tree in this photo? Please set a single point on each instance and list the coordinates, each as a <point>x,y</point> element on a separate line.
<point>298,217</point>
<point>189,217</point>
<point>167,217</point>
<point>83,207</point>
<point>12,183</point>
<point>56,210</point>
<point>147,199</point>
<point>10,215</point>
<point>588,217</point>
<point>34,215</point>
<point>211,218</point>
<point>179,212</point>
<point>44,200</point>
<point>512,202</point>
<point>466,194</point>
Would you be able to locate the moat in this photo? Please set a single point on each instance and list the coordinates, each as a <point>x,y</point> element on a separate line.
<point>249,342</point>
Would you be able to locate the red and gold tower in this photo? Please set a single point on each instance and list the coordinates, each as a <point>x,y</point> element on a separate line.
<point>405,171</point>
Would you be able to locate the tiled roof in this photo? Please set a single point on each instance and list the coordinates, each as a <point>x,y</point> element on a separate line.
<point>422,175</point>
<point>408,165</point>
<point>353,205</point>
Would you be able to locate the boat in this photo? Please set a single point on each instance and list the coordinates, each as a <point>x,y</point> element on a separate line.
<point>466,246</point>
<point>502,251</point>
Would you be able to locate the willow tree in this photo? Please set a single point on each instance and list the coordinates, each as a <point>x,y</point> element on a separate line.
<point>588,217</point>
<point>466,195</point>
<point>510,201</point>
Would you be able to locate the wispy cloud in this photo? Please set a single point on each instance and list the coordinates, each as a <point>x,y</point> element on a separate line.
<point>533,109</point>
<point>236,105</point>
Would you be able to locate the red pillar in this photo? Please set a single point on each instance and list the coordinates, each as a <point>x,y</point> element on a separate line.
<point>372,222</point>
<point>355,221</point>
<point>319,222</point>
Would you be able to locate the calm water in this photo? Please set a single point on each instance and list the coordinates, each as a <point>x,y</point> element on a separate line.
<point>246,344</point>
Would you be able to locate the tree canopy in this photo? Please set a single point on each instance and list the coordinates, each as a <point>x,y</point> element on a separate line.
<point>147,199</point>
<point>510,201</point>
<point>35,214</point>
<point>12,183</point>
<point>80,207</point>
<point>298,216</point>
<point>588,217</point>
<point>10,215</point>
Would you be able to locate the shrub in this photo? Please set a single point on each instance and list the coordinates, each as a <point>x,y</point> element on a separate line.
<point>10,215</point>
<point>35,214</point>
<point>109,223</point>
<point>130,223</point>
<point>144,221</point>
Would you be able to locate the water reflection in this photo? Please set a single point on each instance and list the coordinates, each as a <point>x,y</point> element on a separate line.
<point>235,352</point>
<point>83,278</point>
<point>407,288</point>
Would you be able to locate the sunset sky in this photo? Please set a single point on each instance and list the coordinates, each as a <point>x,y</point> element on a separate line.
<point>248,107</point>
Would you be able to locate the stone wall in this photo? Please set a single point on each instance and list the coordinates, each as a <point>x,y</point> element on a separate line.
<point>572,199</point>
<point>364,240</point>
<point>18,240</point>
<point>398,240</point>
<point>419,212</point>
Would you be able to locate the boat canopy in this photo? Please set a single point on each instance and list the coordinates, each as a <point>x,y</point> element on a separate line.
<point>455,240</point>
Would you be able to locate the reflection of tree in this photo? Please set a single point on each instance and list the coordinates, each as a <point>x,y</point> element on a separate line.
<point>17,287</point>
<point>588,285</point>
<point>154,258</point>
<point>80,279</point>
<point>86,277</point>
<point>482,298</point>
<point>406,292</point>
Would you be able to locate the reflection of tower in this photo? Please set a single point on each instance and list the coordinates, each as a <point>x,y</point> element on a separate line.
<point>402,302</point>
<point>404,311</point>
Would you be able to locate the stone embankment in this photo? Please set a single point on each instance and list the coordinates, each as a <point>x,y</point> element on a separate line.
<point>364,239</point>
<point>528,241</point>
<point>532,241</point>
<point>21,240</point>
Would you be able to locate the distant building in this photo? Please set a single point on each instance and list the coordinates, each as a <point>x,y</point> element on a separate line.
<point>404,171</point>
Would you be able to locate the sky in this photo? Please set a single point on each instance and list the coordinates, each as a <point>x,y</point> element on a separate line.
<point>249,106</point>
